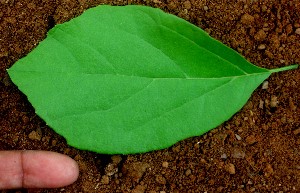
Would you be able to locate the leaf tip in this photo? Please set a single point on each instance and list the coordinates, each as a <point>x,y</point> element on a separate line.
<point>8,70</point>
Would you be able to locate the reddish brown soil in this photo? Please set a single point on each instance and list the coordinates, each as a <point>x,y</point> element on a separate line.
<point>258,150</point>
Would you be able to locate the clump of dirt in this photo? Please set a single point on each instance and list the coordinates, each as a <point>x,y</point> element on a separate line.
<point>257,150</point>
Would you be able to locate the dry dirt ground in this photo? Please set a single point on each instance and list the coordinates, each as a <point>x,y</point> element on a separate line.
<point>257,150</point>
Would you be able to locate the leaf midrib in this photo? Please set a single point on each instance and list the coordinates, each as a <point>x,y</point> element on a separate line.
<point>145,77</point>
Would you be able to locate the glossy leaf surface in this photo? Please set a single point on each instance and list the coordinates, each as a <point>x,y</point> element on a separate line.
<point>133,79</point>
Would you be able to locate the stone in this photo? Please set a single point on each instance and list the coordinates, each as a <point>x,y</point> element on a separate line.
<point>238,153</point>
<point>261,47</point>
<point>230,168</point>
<point>165,164</point>
<point>260,35</point>
<point>160,179</point>
<point>297,131</point>
<point>247,19</point>
<point>105,179</point>
<point>34,135</point>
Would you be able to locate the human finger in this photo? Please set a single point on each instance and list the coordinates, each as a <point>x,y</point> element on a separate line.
<point>36,169</point>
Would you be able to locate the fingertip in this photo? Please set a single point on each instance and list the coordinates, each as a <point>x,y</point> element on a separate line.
<point>43,169</point>
<point>73,173</point>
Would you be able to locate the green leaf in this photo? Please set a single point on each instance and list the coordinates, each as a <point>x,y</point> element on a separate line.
<point>133,79</point>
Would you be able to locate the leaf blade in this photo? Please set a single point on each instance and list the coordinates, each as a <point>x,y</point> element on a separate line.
<point>133,85</point>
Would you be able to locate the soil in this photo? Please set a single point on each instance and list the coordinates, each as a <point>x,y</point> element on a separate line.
<point>257,150</point>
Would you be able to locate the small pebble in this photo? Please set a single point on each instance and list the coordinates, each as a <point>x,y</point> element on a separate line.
<point>261,47</point>
<point>111,169</point>
<point>297,131</point>
<point>35,136</point>
<point>160,179</point>
<point>165,164</point>
<point>251,139</point>
<point>237,137</point>
<point>238,153</point>
<point>105,179</point>
<point>205,8</point>
<point>260,35</point>
<point>268,170</point>
<point>292,104</point>
<point>273,102</point>
<point>188,172</point>
<point>31,5</point>
<point>247,19</point>
<point>224,156</point>
<point>187,4</point>
<point>282,61</point>
<point>116,159</point>
<point>297,31</point>
<point>135,170</point>
<point>265,85</point>
<point>53,142</point>
<point>261,104</point>
<point>230,168</point>
<point>139,189</point>
<point>289,29</point>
